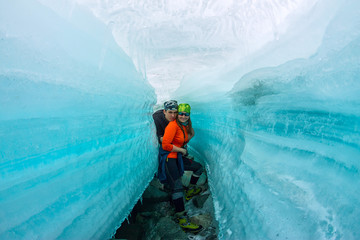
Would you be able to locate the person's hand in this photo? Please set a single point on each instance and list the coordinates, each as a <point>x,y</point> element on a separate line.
<point>185,152</point>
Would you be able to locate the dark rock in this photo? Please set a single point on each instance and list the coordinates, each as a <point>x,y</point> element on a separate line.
<point>153,216</point>
<point>165,228</point>
<point>200,200</point>
<point>154,194</point>
<point>129,232</point>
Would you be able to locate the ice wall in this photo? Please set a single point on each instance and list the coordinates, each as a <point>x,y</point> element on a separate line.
<point>76,144</point>
<point>282,148</point>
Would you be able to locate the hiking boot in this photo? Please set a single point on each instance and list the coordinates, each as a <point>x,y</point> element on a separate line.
<point>191,192</point>
<point>188,226</point>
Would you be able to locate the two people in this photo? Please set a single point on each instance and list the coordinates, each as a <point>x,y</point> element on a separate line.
<point>174,130</point>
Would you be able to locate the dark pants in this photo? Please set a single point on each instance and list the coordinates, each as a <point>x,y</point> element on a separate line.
<point>174,180</point>
<point>191,165</point>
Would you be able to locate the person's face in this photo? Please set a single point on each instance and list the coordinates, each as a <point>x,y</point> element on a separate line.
<point>182,116</point>
<point>170,115</point>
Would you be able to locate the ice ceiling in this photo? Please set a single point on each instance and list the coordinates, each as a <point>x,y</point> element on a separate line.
<point>169,40</point>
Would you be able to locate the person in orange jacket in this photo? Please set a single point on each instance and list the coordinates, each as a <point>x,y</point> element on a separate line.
<point>177,133</point>
<point>161,119</point>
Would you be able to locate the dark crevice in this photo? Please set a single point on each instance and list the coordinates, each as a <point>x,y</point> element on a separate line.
<point>153,215</point>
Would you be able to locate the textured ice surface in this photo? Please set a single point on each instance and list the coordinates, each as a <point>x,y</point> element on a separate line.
<point>274,87</point>
<point>283,147</point>
<point>76,144</point>
<point>171,39</point>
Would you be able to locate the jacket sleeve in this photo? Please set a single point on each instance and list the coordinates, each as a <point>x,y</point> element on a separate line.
<point>168,137</point>
<point>158,125</point>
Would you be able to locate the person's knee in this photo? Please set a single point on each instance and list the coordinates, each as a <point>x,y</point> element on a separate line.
<point>198,170</point>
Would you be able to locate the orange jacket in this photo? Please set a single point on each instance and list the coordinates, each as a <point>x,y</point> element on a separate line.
<point>174,136</point>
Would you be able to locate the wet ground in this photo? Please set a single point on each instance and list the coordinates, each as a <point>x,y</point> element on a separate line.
<point>153,216</point>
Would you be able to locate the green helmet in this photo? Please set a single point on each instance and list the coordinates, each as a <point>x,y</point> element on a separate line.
<point>184,107</point>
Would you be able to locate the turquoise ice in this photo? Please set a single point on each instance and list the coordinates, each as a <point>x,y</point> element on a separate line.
<point>76,144</point>
<point>274,90</point>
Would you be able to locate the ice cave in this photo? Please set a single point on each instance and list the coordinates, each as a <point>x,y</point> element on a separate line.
<point>274,87</point>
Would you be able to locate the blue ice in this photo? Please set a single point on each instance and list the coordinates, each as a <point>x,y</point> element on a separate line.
<point>277,122</point>
<point>76,144</point>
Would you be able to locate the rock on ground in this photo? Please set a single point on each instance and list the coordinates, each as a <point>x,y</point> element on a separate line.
<point>153,217</point>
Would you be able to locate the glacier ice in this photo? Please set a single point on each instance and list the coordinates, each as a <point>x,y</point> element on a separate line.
<point>283,146</point>
<point>74,125</point>
<point>273,87</point>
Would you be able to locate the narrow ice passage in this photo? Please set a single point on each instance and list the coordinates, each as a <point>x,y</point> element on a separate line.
<point>274,91</point>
